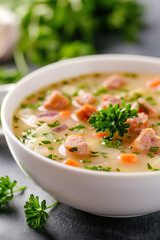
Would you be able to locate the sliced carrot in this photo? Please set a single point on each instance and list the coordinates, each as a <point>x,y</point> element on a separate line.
<point>128,158</point>
<point>100,134</point>
<point>153,83</point>
<point>71,162</point>
<point>85,112</point>
<point>65,113</point>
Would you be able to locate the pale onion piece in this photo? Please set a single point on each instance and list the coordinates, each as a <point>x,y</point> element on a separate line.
<point>43,129</point>
<point>42,150</point>
<point>62,150</point>
<point>69,89</point>
<point>9,33</point>
<point>30,121</point>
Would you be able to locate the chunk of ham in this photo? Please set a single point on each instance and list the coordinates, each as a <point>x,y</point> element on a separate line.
<point>86,98</point>
<point>56,101</point>
<point>138,123</point>
<point>85,112</point>
<point>114,82</point>
<point>145,107</point>
<point>153,84</point>
<point>76,145</point>
<point>110,99</point>
<point>145,140</point>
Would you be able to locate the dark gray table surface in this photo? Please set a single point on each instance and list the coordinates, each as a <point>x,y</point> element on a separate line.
<point>66,223</point>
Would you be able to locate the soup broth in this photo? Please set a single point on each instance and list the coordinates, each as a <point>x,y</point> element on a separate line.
<point>54,122</point>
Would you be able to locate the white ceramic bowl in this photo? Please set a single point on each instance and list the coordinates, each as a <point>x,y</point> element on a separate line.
<point>115,194</point>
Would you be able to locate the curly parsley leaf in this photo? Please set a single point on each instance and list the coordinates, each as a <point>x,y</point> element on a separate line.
<point>35,211</point>
<point>7,192</point>
<point>113,119</point>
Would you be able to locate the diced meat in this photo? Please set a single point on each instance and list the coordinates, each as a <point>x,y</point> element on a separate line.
<point>114,82</point>
<point>145,107</point>
<point>154,84</point>
<point>77,145</point>
<point>86,98</point>
<point>138,123</point>
<point>56,101</point>
<point>145,140</point>
<point>85,112</point>
<point>110,99</point>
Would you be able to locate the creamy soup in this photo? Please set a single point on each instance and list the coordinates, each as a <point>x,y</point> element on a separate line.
<point>86,122</point>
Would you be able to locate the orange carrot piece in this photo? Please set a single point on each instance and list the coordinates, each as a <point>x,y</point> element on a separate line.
<point>71,162</point>
<point>153,83</point>
<point>100,134</point>
<point>128,158</point>
<point>65,113</point>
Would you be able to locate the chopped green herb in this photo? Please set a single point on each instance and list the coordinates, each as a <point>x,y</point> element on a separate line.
<point>100,91</point>
<point>41,121</point>
<point>15,119</point>
<point>104,154</point>
<point>136,152</point>
<point>48,92</point>
<point>55,124</point>
<point>118,170</point>
<point>122,151</point>
<point>113,119</point>
<point>41,98</point>
<point>46,142</point>
<point>64,82</point>
<point>94,155</point>
<point>49,156</point>
<point>150,155</point>
<point>78,128</point>
<point>149,166</point>
<point>73,149</point>
<point>113,144</point>
<point>135,96</point>
<point>59,140</point>
<point>153,149</point>
<point>16,127</point>
<point>98,168</point>
<point>66,134</point>
<point>85,160</point>
<point>46,134</point>
<point>50,148</point>
<point>33,106</point>
<point>94,152</point>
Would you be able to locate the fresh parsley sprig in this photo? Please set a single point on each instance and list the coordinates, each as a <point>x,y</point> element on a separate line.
<point>35,212</point>
<point>113,119</point>
<point>7,191</point>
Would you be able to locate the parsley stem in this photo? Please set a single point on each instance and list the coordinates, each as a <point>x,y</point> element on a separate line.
<point>20,189</point>
<point>54,204</point>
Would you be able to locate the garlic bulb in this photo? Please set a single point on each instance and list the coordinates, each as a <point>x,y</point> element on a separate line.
<point>8,33</point>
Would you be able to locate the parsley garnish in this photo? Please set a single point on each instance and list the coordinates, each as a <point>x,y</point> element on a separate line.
<point>15,119</point>
<point>35,212</point>
<point>46,142</point>
<point>113,119</point>
<point>153,149</point>
<point>73,149</point>
<point>55,124</point>
<point>150,155</point>
<point>100,91</point>
<point>85,160</point>
<point>7,192</point>
<point>33,106</point>
<point>78,128</point>
<point>151,168</point>
<point>50,148</point>
<point>104,154</point>
<point>98,168</point>
<point>113,144</point>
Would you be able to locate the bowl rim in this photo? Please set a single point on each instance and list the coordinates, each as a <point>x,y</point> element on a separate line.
<point>128,57</point>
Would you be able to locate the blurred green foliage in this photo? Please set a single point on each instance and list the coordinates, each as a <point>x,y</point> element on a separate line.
<point>56,29</point>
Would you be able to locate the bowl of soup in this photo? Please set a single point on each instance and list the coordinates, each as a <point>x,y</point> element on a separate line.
<point>87,131</point>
